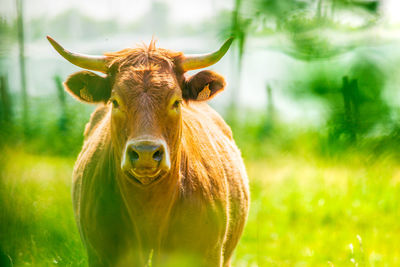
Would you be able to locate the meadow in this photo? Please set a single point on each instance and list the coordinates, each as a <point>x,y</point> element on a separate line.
<point>306,209</point>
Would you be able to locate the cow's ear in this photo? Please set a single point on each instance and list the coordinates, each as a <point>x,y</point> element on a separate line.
<point>203,86</point>
<point>88,87</point>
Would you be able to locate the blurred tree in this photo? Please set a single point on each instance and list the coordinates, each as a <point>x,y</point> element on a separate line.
<point>308,26</point>
<point>355,106</point>
<point>368,5</point>
<point>314,31</point>
<point>21,44</point>
<point>239,29</point>
<point>8,36</point>
<point>279,10</point>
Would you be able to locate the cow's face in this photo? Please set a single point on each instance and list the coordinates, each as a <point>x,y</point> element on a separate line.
<point>146,121</point>
<point>145,89</point>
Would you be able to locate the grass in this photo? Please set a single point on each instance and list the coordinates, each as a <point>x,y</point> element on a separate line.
<point>305,211</point>
<point>37,224</point>
<point>308,213</point>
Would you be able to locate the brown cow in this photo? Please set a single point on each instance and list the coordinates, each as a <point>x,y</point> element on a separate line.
<point>159,177</point>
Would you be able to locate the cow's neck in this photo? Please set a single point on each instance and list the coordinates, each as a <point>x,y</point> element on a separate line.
<point>149,207</point>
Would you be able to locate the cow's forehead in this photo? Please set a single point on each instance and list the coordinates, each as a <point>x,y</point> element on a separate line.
<point>143,58</point>
<point>145,69</point>
<point>137,84</point>
<point>146,78</point>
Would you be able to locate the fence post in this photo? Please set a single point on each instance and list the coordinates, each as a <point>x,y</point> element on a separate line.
<point>270,105</point>
<point>5,100</point>
<point>350,106</point>
<point>63,120</point>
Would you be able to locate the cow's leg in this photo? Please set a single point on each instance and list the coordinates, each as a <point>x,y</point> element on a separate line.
<point>214,258</point>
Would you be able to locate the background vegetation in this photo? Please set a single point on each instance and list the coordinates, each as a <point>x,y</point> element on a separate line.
<point>325,182</point>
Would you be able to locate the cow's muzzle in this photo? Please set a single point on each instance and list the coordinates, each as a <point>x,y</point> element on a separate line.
<point>144,160</point>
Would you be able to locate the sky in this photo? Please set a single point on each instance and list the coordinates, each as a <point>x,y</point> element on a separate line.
<point>181,11</point>
<point>391,8</point>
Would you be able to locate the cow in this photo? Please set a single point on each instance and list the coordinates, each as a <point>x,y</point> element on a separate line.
<point>159,180</point>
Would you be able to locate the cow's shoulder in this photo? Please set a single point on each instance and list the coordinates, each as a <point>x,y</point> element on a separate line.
<point>208,150</point>
<point>96,146</point>
<point>95,119</point>
<point>199,115</point>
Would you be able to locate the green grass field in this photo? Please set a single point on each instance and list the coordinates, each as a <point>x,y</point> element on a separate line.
<point>305,211</point>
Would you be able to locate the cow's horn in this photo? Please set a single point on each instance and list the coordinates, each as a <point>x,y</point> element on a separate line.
<point>193,62</point>
<point>97,63</point>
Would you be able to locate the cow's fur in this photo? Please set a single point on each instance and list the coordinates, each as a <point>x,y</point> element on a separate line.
<point>195,213</point>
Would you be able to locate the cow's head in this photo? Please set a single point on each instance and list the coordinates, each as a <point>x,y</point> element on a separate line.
<point>145,88</point>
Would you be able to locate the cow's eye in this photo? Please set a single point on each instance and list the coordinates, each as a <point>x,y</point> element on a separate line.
<point>176,103</point>
<point>115,103</point>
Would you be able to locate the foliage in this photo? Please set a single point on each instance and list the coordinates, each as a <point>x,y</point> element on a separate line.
<point>55,132</point>
<point>353,96</point>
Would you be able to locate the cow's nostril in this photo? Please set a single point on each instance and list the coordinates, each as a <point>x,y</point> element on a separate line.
<point>133,155</point>
<point>158,155</point>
